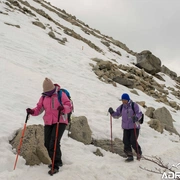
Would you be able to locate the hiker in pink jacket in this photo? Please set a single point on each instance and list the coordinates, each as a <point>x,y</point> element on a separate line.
<point>50,104</point>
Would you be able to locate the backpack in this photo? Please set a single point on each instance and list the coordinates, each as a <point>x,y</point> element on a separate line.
<point>60,94</point>
<point>68,95</point>
<point>141,120</point>
<point>69,114</point>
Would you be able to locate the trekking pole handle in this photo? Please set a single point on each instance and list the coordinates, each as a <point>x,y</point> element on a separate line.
<point>27,117</point>
<point>59,114</point>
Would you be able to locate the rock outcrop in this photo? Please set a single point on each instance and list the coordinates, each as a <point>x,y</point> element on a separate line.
<point>147,61</point>
<point>32,149</point>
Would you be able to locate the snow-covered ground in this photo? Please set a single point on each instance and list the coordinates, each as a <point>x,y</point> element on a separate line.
<point>27,56</point>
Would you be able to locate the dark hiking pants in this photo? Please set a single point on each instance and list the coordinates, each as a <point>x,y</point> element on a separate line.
<point>130,141</point>
<point>49,140</point>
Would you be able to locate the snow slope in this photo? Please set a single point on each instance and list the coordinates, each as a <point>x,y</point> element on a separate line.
<point>27,56</point>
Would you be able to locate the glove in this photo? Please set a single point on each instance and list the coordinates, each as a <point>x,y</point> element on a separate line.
<point>60,108</point>
<point>135,119</point>
<point>110,110</point>
<point>30,111</point>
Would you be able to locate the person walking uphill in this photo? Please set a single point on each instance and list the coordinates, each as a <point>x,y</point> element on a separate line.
<point>49,103</point>
<point>130,116</point>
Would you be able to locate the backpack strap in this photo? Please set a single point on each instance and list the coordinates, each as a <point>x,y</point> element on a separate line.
<point>59,96</point>
<point>121,108</point>
<point>132,105</point>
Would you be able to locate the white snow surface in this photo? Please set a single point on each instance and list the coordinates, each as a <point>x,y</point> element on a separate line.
<point>27,56</point>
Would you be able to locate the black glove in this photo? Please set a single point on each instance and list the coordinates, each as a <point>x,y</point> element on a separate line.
<point>60,108</point>
<point>110,110</point>
<point>135,119</point>
<point>29,111</point>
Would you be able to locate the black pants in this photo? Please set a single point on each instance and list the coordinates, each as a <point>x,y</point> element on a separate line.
<point>49,140</point>
<point>130,141</point>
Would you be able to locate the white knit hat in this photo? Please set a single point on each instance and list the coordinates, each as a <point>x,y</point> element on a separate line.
<point>48,85</point>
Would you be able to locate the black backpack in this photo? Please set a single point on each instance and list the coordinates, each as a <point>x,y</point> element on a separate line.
<point>132,105</point>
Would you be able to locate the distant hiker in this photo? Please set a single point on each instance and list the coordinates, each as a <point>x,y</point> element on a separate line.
<point>131,126</point>
<point>49,103</point>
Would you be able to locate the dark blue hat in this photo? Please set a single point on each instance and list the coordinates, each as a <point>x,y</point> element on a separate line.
<point>125,97</point>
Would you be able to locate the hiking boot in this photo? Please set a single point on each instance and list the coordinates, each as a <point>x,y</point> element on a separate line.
<point>57,164</point>
<point>129,159</point>
<point>139,156</point>
<point>51,172</point>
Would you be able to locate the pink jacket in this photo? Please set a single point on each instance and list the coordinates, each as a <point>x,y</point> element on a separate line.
<point>50,105</point>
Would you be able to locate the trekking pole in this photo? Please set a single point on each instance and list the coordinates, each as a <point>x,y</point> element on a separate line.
<point>136,140</point>
<point>55,143</point>
<point>111,133</point>
<point>21,141</point>
<point>69,132</point>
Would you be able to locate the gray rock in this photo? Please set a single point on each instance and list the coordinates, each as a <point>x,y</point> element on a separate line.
<point>104,65</point>
<point>160,89</point>
<point>164,116</point>
<point>17,26</point>
<point>99,73</point>
<point>139,87</point>
<point>39,24</point>
<point>173,104</point>
<point>98,152</point>
<point>156,125</point>
<point>159,77</point>
<point>117,146</point>
<point>134,92</point>
<point>64,40</point>
<point>168,72</point>
<point>141,103</point>
<point>124,81</point>
<point>32,149</point>
<point>178,79</point>
<point>80,130</point>
<point>96,60</point>
<point>92,65</point>
<point>105,43</point>
<point>149,112</point>
<point>52,35</point>
<point>147,61</point>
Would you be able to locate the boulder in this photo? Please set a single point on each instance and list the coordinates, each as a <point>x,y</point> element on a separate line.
<point>96,60</point>
<point>64,40</point>
<point>51,34</point>
<point>32,149</point>
<point>149,112</point>
<point>159,77</point>
<point>173,104</point>
<point>99,73</point>
<point>139,87</point>
<point>141,103</point>
<point>156,125</point>
<point>164,116</point>
<point>178,79</point>
<point>39,24</point>
<point>104,65</point>
<point>160,89</point>
<point>147,61</point>
<point>98,152</point>
<point>118,146</point>
<point>134,92</point>
<point>80,130</point>
<point>124,81</point>
<point>168,72</point>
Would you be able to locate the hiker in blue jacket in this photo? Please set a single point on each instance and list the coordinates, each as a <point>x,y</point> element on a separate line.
<point>131,126</point>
